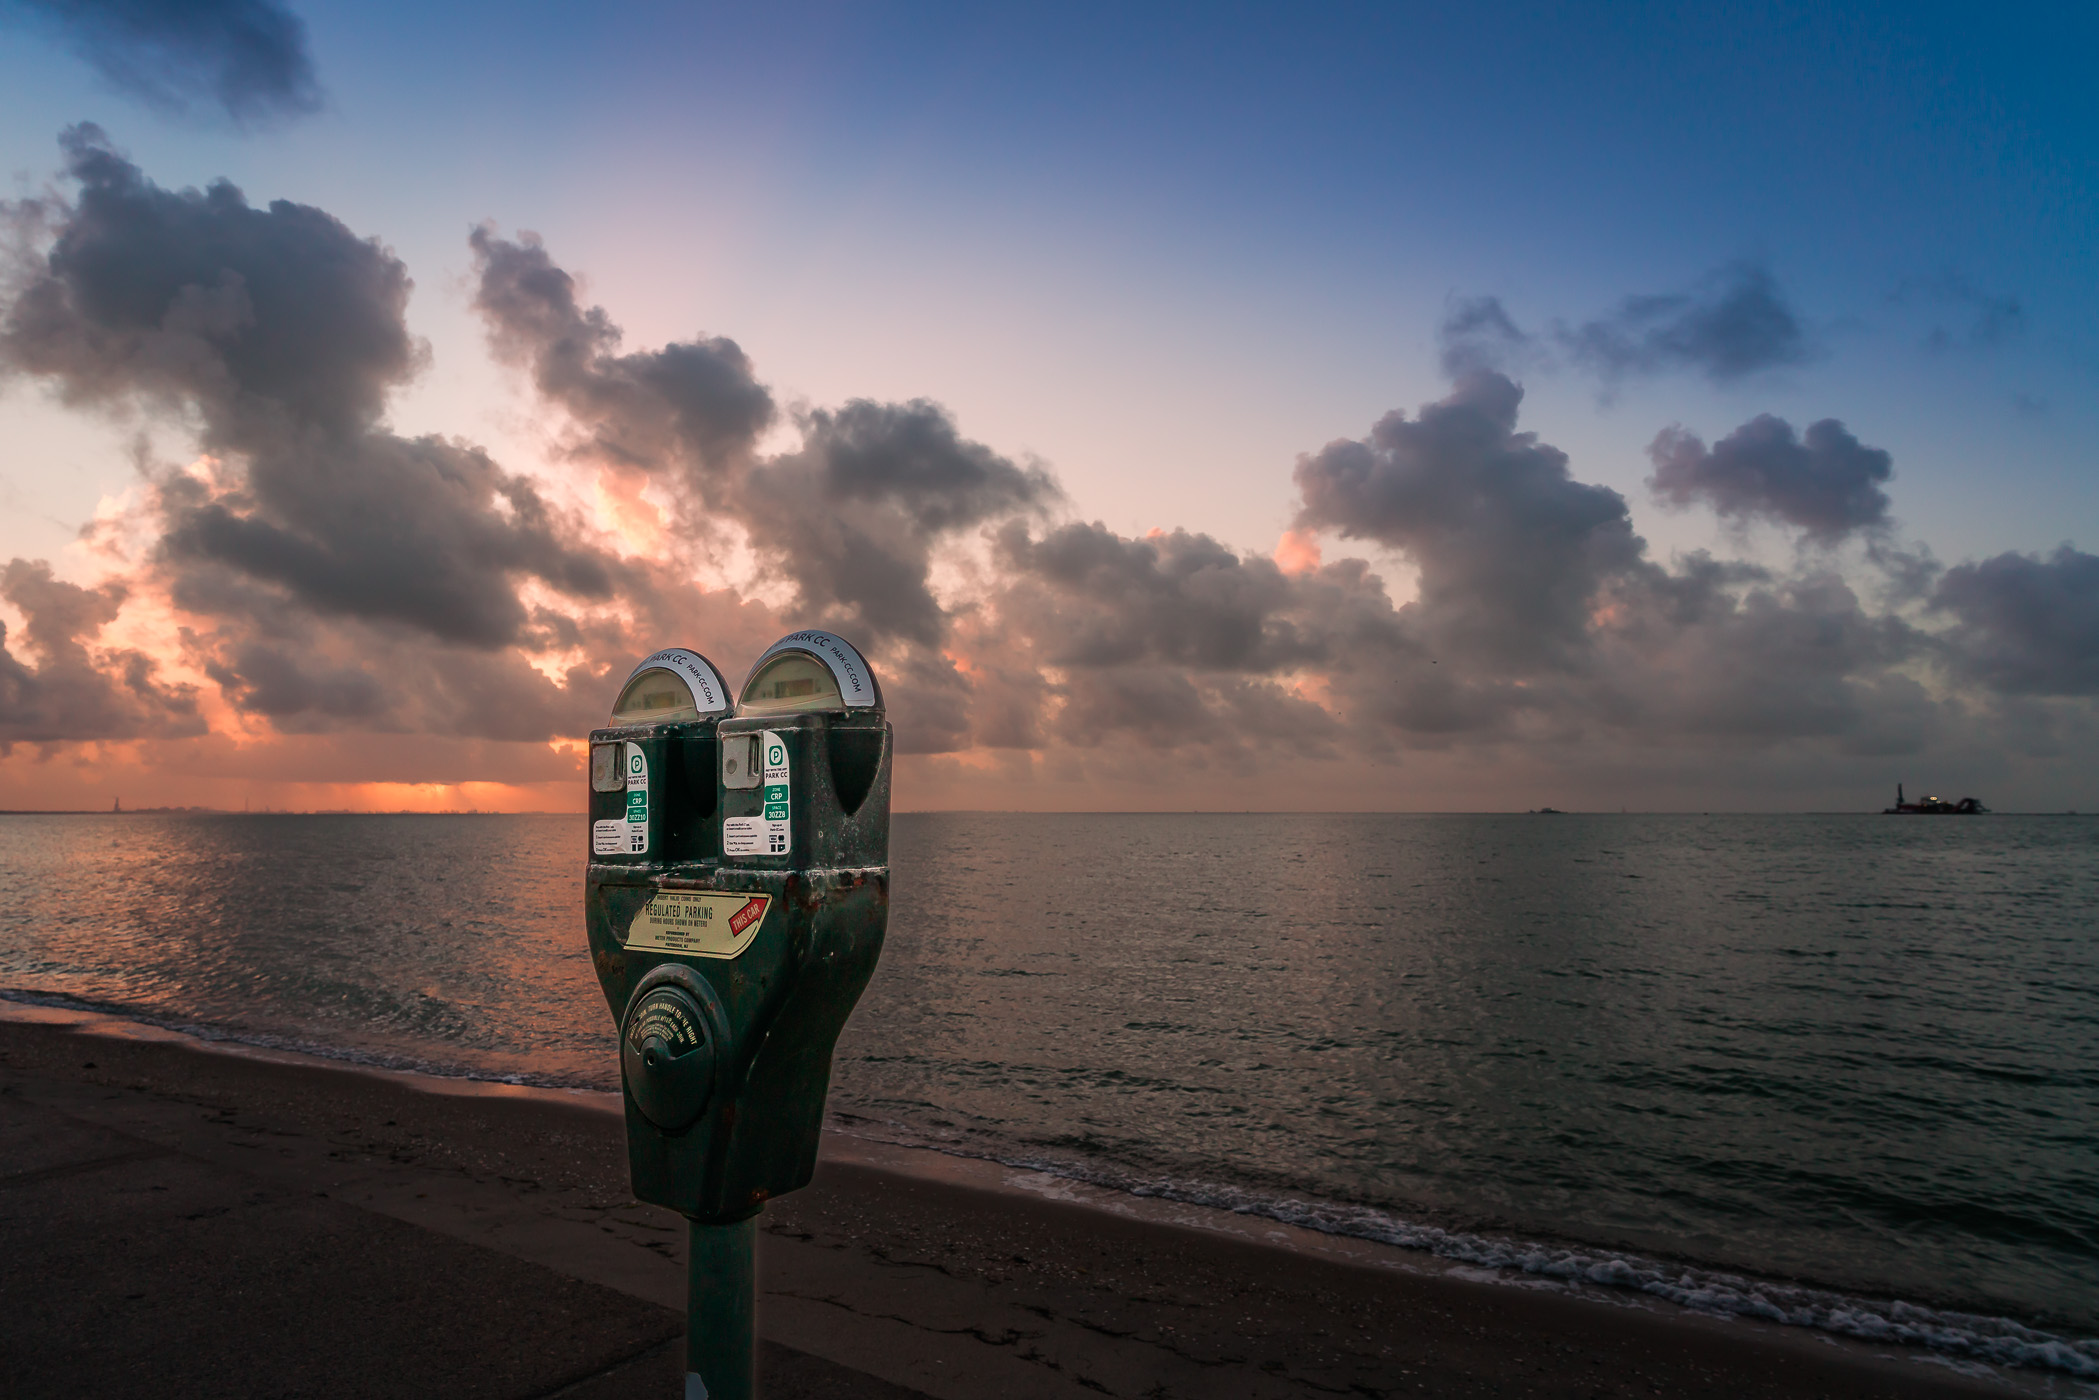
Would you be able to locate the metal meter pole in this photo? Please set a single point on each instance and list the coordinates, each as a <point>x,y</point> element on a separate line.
<point>720,1336</point>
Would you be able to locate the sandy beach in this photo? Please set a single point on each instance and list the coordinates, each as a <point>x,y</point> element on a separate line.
<point>194,1220</point>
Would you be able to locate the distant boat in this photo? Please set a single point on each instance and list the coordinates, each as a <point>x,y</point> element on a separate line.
<point>1932,807</point>
<point>1548,812</point>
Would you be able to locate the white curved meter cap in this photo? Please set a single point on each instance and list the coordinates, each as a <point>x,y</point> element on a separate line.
<point>694,689</point>
<point>852,681</point>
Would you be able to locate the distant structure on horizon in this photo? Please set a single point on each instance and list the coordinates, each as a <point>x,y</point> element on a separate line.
<point>1932,807</point>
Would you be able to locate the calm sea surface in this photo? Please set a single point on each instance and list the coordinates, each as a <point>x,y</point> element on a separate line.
<point>1859,1053</point>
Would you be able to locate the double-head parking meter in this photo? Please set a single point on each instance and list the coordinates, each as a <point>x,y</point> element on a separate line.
<point>735,901</point>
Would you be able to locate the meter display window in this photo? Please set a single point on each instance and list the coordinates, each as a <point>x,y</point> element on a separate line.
<point>605,774</point>
<point>791,681</point>
<point>655,697</point>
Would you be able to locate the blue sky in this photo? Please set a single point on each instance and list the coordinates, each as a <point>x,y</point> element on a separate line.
<point>1165,250</point>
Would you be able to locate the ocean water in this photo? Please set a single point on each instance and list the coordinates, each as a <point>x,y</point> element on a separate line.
<point>1840,1071</point>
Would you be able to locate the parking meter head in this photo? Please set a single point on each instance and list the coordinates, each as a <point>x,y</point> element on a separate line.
<point>731,967</point>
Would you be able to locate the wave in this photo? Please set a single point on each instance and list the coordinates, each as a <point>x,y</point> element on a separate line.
<point>364,1057</point>
<point>1966,1336</point>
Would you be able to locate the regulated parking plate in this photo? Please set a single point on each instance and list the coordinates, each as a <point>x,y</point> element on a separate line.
<point>698,923</point>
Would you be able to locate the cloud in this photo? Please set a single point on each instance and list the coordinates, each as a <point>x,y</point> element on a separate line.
<point>1732,324</point>
<point>248,58</point>
<point>693,406</point>
<point>1083,599</point>
<point>2026,625</point>
<point>851,518</point>
<point>337,593</point>
<point>419,531</point>
<point>1827,484</point>
<point>262,318</point>
<point>1478,334</point>
<point>1171,640</point>
<point>333,575</point>
<point>1539,622</point>
<point>1512,550</point>
<point>284,332</point>
<point>854,516</point>
<point>287,686</point>
<point>1982,320</point>
<point>1694,658</point>
<point>76,693</point>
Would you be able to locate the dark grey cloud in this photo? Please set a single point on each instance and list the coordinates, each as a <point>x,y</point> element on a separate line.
<point>256,316</point>
<point>693,405</point>
<point>1908,575</point>
<point>1172,642</point>
<point>287,686</point>
<point>852,517</point>
<point>247,58</point>
<point>1693,657</point>
<point>1088,597</point>
<point>1169,641</point>
<point>283,333</point>
<point>70,692</point>
<point>1826,483</point>
<point>911,458</point>
<point>1162,708</point>
<point>275,658</point>
<point>2026,625</point>
<point>1964,316</point>
<point>1735,322</point>
<point>1512,550</point>
<point>855,515</point>
<point>418,531</point>
<point>339,679</point>
<point>1477,333</point>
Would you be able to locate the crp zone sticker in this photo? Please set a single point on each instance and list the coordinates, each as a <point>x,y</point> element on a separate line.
<point>698,923</point>
<point>764,835</point>
<point>628,836</point>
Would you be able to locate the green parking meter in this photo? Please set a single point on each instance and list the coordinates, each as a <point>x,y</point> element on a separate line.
<point>734,948</point>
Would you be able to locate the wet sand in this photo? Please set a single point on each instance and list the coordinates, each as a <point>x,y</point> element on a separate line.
<point>183,1220</point>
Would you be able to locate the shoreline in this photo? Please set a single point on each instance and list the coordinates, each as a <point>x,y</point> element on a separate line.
<point>1101,1209</point>
<point>1671,1285</point>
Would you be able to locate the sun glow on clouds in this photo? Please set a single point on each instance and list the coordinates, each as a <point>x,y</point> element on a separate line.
<point>1297,552</point>
<point>321,612</point>
<point>625,510</point>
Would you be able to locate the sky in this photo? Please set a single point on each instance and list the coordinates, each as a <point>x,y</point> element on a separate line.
<point>1223,407</point>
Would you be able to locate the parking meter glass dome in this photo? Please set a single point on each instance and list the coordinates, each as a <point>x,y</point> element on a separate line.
<point>655,696</point>
<point>810,670</point>
<point>790,682</point>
